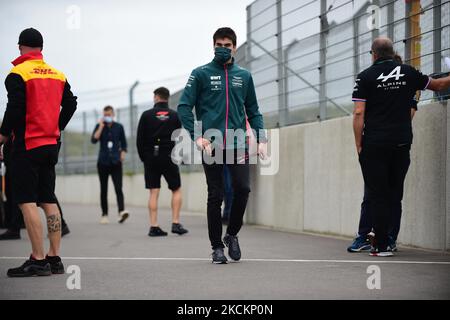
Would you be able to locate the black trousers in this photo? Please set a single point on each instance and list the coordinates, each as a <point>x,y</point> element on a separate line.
<point>115,171</point>
<point>384,170</point>
<point>240,177</point>
<point>365,219</point>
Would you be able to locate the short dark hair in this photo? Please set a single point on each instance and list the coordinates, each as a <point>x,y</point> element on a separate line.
<point>383,48</point>
<point>108,108</point>
<point>162,92</point>
<point>225,33</point>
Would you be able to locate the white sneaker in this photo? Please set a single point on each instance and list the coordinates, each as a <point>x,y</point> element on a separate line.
<point>377,253</point>
<point>123,215</point>
<point>104,220</point>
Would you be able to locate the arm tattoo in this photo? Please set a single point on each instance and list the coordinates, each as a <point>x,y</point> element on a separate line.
<point>54,223</point>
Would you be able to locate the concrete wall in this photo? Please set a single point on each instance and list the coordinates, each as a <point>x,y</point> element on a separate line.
<point>85,189</point>
<point>447,179</point>
<point>319,185</point>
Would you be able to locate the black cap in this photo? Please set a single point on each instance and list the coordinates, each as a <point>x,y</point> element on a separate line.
<point>31,38</point>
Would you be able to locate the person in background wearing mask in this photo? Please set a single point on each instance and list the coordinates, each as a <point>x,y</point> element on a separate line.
<point>223,95</point>
<point>113,147</point>
<point>154,144</point>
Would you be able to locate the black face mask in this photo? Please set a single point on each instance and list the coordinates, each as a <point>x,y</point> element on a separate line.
<point>222,54</point>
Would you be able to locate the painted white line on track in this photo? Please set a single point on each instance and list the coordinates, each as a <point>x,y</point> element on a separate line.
<point>374,261</point>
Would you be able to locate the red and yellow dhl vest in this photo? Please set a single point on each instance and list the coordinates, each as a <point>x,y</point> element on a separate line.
<point>44,87</point>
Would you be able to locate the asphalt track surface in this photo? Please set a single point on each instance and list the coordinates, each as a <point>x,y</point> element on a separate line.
<point>122,262</point>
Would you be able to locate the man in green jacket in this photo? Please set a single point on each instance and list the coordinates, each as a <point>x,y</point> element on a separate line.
<point>224,98</point>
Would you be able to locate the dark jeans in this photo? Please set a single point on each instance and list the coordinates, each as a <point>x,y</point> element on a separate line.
<point>365,220</point>
<point>240,177</point>
<point>384,170</point>
<point>228,193</point>
<point>104,171</point>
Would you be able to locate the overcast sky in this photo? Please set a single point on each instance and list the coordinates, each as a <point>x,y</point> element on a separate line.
<point>110,44</point>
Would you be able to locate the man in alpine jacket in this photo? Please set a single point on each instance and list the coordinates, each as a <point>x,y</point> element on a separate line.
<point>223,95</point>
<point>383,132</point>
<point>34,120</point>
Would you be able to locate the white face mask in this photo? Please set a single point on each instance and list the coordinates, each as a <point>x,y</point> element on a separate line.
<point>108,119</point>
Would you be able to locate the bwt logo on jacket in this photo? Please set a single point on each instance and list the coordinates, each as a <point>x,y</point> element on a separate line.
<point>216,83</point>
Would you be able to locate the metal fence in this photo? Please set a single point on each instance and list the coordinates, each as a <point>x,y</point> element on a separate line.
<point>79,155</point>
<point>304,56</point>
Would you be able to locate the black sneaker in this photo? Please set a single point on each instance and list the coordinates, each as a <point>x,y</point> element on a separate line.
<point>31,268</point>
<point>218,257</point>
<point>178,228</point>
<point>233,247</point>
<point>65,230</point>
<point>10,235</point>
<point>157,232</point>
<point>56,264</point>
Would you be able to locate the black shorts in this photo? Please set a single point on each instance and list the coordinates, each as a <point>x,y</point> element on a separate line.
<point>155,167</point>
<point>33,175</point>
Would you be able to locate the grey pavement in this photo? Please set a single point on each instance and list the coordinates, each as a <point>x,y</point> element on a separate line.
<point>122,262</point>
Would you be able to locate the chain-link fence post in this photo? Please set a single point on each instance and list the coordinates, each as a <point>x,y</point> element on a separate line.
<point>437,34</point>
<point>248,49</point>
<point>132,142</point>
<point>322,60</point>
<point>282,108</point>
<point>286,74</point>
<point>85,142</point>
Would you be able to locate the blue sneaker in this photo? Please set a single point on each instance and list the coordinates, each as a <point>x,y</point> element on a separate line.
<point>392,245</point>
<point>361,243</point>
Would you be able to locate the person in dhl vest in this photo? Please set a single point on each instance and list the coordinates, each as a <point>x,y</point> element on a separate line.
<point>40,104</point>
